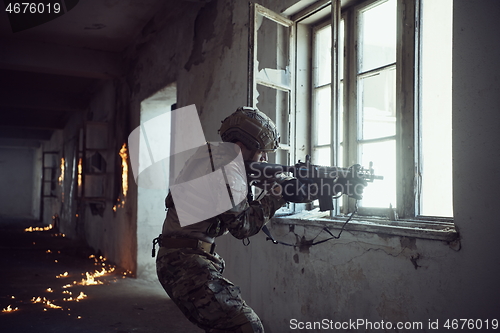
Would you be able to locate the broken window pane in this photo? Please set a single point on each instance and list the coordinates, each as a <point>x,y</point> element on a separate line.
<point>322,126</point>
<point>273,65</point>
<point>323,56</point>
<point>275,103</point>
<point>377,105</point>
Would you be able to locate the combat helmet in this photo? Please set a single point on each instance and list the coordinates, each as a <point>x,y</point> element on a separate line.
<point>251,127</point>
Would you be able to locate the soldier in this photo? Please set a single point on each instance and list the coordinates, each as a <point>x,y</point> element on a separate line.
<point>188,268</point>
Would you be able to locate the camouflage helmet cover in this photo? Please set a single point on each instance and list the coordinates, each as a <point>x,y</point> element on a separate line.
<point>251,127</point>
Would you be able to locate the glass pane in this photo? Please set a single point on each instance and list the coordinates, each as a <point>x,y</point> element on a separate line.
<point>340,111</point>
<point>273,66</point>
<point>323,56</point>
<point>380,193</point>
<point>275,103</point>
<point>436,115</point>
<point>322,126</point>
<point>321,156</point>
<point>377,33</point>
<point>280,156</point>
<point>377,105</point>
<point>47,191</point>
<point>50,160</point>
<point>49,174</point>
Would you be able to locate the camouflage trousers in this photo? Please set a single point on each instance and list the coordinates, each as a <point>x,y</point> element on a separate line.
<point>193,280</point>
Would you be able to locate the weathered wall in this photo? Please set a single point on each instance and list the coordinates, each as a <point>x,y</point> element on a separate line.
<point>65,144</point>
<point>16,187</point>
<point>109,233</point>
<point>112,233</point>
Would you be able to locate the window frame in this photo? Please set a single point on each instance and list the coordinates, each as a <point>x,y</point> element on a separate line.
<point>258,12</point>
<point>409,223</point>
<point>285,154</point>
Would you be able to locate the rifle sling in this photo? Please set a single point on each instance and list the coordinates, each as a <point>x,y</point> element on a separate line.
<point>271,238</point>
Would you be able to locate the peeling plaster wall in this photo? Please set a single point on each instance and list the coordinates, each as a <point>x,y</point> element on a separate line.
<point>65,144</point>
<point>109,233</point>
<point>360,276</point>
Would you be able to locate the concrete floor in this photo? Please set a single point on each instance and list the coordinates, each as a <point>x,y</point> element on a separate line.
<point>121,305</point>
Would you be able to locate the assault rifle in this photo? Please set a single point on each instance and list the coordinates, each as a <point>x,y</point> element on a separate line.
<point>316,182</point>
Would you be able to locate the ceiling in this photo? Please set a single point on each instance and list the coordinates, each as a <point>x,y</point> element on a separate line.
<point>48,71</point>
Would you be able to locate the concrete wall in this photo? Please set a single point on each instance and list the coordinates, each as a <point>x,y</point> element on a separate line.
<point>110,233</point>
<point>362,275</point>
<point>17,192</point>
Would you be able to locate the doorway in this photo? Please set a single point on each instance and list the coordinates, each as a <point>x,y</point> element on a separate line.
<point>151,201</point>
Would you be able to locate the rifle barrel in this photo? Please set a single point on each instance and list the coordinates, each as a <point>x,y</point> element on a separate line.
<point>263,170</point>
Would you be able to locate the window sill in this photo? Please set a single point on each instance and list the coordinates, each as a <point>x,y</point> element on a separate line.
<point>424,229</point>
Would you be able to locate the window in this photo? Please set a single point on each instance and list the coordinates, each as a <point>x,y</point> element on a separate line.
<point>270,86</point>
<point>270,79</point>
<point>367,113</point>
<point>372,85</point>
<point>373,105</point>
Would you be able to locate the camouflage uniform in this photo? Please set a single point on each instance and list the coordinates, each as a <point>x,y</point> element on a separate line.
<point>193,277</point>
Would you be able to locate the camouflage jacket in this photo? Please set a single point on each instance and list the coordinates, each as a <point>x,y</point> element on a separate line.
<point>244,219</point>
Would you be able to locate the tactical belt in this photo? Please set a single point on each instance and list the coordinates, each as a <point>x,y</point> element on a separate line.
<point>190,243</point>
